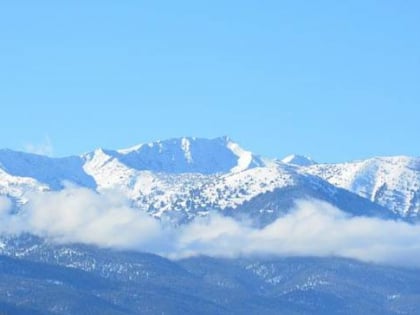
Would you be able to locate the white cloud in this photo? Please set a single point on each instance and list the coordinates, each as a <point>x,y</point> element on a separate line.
<point>43,148</point>
<point>82,215</point>
<point>313,229</point>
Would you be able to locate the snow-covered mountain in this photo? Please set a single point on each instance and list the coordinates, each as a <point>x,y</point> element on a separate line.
<point>185,155</point>
<point>45,170</point>
<point>178,180</point>
<point>393,182</point>
<point>188,177</point>
<point>187,195</point>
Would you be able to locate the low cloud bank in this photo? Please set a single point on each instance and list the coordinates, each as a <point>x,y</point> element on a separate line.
<point>313,228</point>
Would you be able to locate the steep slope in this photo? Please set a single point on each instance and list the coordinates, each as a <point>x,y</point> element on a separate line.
<point>393,182</point>
<point>267,207</point>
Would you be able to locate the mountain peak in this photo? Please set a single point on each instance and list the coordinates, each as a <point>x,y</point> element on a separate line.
<point>298,160</point>
<point>189,155</point>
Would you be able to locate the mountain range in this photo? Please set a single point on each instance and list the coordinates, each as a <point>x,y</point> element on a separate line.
<point>42,278</point>
<point>179,180</point>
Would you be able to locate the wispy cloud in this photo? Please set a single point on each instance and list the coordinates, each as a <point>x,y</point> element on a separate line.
<point>45,147</point>
<point>314,228</point>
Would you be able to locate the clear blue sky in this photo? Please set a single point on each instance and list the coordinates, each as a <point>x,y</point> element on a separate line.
<point>336,80</point>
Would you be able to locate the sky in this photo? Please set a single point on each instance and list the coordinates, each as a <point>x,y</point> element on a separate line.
<point>335,80</point>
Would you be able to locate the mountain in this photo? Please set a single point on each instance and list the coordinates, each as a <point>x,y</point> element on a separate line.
<point>189,194</point>
<point>38,277</point>
<point>178,180</point>
<point>50,171</point>
<point>185,155</point>
<point>188,177</point>
<point>393,182</point>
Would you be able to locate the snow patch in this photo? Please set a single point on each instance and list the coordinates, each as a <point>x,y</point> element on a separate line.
<point>130,149</point>
<point>185,144</point>
<point>244,157</point>
<point>298,160</point>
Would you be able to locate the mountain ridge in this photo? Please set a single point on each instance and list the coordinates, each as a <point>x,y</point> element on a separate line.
<point>197,174</point>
